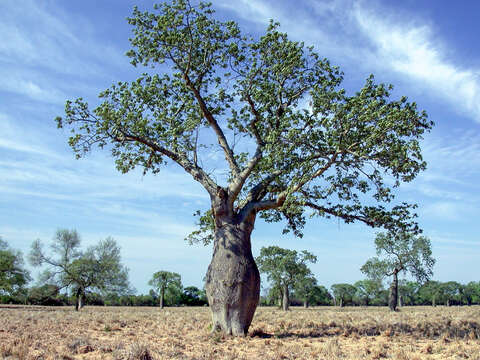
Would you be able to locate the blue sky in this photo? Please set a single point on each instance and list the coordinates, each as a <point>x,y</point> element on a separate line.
<point>51,51</point>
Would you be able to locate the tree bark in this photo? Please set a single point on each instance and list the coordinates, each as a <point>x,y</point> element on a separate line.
<point>305,304</point>
<point>393,296</point>
<point>79,300</point>
<point>232,280</point>
<point>162,297</point>
<point>286,298</point>
<point>341,302</point>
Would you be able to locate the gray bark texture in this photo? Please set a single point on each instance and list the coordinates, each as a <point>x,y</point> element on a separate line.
<point>79,300</point>
<point>233,279</point>
<point>286,298</point>
<point>393,296</point>
<point>162,297</point>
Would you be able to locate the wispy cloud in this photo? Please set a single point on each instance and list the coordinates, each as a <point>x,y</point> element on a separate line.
<point>46,53</point>
<point>416,51</point>
<point>48,40</point>
<point>363,35</point>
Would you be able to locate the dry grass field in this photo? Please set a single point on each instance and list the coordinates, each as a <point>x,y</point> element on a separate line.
<point>183,333</point>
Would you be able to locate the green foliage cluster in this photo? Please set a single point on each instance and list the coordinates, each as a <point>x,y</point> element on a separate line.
<point>294,142</point>
<point>287,269</point>
<point>13,275</point>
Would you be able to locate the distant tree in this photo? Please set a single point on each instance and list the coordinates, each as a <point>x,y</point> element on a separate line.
<point>471,293</point>
<point>343,293</point>
<point>367,290</point>
<point>166,281</point>
<point>305,289</point>
<point>98,269</point>
<point>430,293</point>
<point>320,296</point>
<point>285,268</point>
<point>193,296</point>
<point>452,292</point>
<point>13,275</point>
<point>274,295</point>
<point>207,86</point>
<point>47,294</point>
<point>400,251</point>
<point>408,292</point>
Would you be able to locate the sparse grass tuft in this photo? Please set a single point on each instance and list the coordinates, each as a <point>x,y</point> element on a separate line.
<point>138,351</point>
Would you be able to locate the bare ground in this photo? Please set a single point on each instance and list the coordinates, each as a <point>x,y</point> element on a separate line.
<point>184,333</point>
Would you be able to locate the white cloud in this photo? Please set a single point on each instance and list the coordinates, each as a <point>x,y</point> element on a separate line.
<point>36,35</point>
<point>443,210</point>
<point>415,51</point>
<point>366,36</point>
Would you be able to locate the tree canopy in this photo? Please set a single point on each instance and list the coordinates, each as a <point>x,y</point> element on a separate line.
<point>98,268</point>
<point>286,268</point>
<point>400,251</point>
<point>166,283</point>
<point>13,275</point>
<point>291,136</point>
<point>343,293</point>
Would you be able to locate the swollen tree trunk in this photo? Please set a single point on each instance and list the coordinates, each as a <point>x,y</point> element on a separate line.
<point>393,296</point>
<point>286,298</point>
<point>233,280</point>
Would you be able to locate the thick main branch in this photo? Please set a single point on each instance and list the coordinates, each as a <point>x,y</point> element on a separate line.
<point>216,128</point>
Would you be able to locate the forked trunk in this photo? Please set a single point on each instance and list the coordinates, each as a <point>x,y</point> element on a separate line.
<point>286,298</point>
<point>393,296</point>
<point>233,280</point>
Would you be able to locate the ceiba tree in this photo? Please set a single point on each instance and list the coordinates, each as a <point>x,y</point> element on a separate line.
<point>397,252</point>
<point>284,268</point>
<point>98,268</point>
<point>291,137</point>
<point>163,280</point>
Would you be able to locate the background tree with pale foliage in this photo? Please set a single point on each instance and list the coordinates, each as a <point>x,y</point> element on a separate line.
<point>397,252</point>
<point>293,141</point>
<point>13,275</point>
<point>98,268</point>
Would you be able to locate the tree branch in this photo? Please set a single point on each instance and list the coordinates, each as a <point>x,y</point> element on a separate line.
<point>237,183</point>
<point>195,171</point>
<point>216,128</point>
